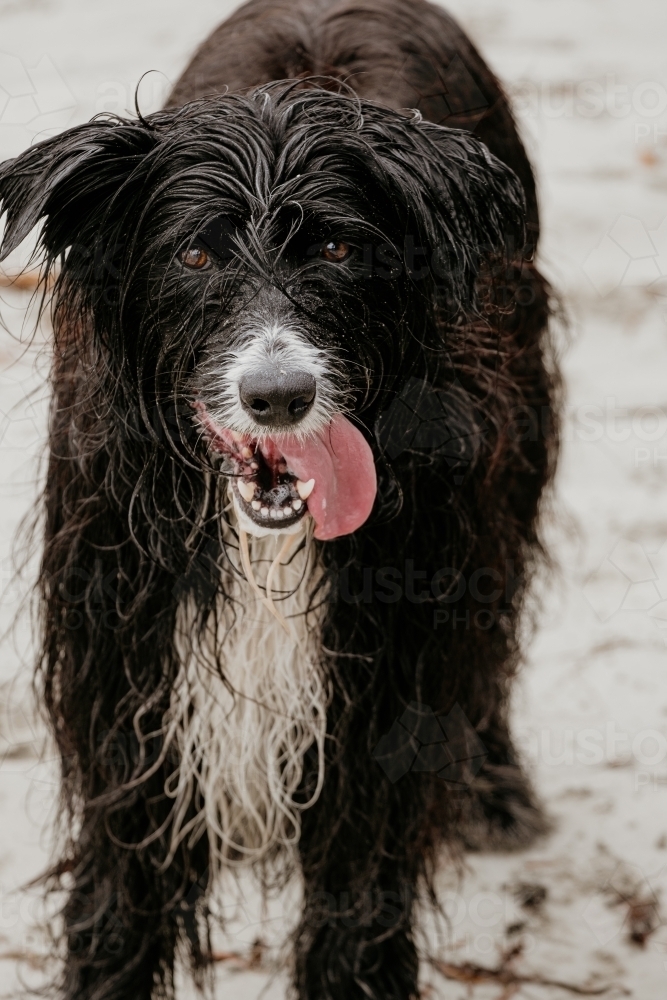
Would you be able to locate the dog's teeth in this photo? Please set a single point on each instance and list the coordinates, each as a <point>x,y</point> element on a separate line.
<point>255,505</point>
<point>305,489</point>
<point>246,489</point>
<point>265,512</point>
<point>280,512</point>
<point>246,452</point>
<point>254,465</point>
<point>297,504</point>
<point>273,513</point>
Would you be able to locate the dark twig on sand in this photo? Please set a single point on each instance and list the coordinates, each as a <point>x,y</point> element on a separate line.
<point>504,975</point>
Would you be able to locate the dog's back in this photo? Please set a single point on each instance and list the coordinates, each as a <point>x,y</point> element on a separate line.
<point>401,53</point>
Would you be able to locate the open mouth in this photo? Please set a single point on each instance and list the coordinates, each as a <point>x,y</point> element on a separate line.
<point>277,480</point>
<point>263,486</point>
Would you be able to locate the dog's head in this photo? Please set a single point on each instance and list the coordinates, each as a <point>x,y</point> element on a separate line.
<point>274,265</point>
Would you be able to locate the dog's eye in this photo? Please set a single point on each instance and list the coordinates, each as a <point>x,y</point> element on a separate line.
<point>335,251</point>
<point>194,258</point>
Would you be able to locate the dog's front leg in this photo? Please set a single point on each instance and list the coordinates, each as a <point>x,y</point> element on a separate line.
<point>107,674</point>
<point>123,917</point>
<point>355,937</point>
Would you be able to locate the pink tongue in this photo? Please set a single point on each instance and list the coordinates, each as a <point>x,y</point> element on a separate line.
<point>341,462</point>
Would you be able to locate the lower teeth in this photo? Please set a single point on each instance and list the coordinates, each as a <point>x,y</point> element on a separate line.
<point>292,505</point>
<point>275,513</point>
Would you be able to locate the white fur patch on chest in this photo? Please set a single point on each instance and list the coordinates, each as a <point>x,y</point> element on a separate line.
<point>249,703</point>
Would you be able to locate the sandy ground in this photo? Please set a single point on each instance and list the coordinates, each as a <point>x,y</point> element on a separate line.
<point>584,908</point>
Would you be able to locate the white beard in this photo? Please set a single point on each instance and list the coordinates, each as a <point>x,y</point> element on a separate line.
<point>249,702</point>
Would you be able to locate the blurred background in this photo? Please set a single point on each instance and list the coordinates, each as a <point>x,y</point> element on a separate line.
<point>582,913</point>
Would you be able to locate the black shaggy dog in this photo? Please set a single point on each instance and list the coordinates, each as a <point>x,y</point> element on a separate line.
<point>303,415</point>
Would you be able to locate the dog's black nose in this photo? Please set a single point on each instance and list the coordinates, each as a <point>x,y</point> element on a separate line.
<point>277,397</point>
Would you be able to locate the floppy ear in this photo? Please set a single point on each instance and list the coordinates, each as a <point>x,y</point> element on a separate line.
<point>467,203</point>
<point>68,181</point>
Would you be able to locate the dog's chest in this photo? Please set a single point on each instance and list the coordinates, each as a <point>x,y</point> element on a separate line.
<point>250,703</point>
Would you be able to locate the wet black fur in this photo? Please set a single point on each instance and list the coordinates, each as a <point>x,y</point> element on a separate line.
<point>130,530</point>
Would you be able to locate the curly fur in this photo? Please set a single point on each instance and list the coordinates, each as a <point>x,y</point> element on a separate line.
<point>243,733</point>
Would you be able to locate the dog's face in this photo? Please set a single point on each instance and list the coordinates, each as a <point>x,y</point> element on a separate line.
<point>265,264</point>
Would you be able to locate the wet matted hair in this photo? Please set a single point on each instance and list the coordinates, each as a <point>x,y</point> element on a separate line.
<point>218,702</point>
